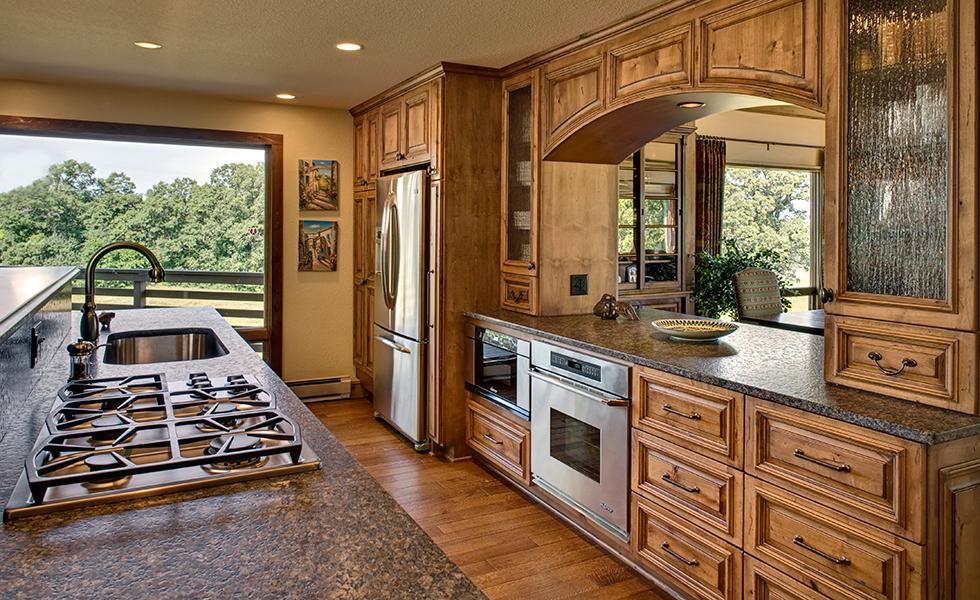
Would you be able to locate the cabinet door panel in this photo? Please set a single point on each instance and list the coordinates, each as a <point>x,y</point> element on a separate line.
<point>391,134</point>
<point>900,207</point>
<point>649,64</point>
<point>519,185</point>
<point>771,42</point>
<point>417,132</point>
<point>570,95</point>
<point>360,151</point>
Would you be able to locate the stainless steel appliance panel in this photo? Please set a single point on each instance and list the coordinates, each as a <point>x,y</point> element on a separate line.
<point>497,368</point>
<point>399,377</point>
<point>580,448</point>
<point>582,368</point>
<point>400,263</point>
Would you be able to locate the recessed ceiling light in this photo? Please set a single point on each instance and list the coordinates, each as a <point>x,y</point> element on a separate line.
<point>691,104</point>
<point>148,45</point>
<point>285,96</point>
<point>348,46</point>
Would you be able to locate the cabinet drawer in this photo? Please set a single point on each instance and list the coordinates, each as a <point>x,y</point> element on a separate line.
<point>694,562</point>
<point>922,364</point>
<point>706,492</point>
<point>831,552</point>
<point>519,293</point>
<point>869,475</point>
<point>505,444</point>
<point>693,415</point>
<point>763,582</point>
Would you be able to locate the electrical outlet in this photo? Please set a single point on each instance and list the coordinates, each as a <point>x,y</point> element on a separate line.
<point>579,285</point>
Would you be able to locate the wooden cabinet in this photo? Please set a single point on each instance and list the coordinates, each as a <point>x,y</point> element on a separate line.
<point>697,416</point>
<point>543,207</point>
<point>699,564</point>
<point>856,471</point>
<point>408,128</point>
<point>366,163</point>
<point>706,492</point>
<point>831,551</point>
<point>364,281</point>
<point>461,104</point>
<point>823,509</point>
<point>900,232</point>
<point>770,44</point>
<point>503,441</point>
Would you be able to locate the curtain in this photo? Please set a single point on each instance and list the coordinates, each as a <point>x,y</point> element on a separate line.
<point>709,194</point>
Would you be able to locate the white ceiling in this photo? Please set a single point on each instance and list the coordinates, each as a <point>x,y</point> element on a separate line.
<point>252,49</point>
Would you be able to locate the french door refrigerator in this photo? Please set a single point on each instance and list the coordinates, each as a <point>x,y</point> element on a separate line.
<point>400,328</point>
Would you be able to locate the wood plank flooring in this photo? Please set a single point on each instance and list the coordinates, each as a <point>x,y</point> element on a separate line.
<point>530,554</point>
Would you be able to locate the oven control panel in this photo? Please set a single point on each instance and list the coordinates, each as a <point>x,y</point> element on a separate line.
<point>579,367</point>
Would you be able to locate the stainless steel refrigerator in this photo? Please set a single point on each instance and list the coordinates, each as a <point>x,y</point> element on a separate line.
<point>400,328</point>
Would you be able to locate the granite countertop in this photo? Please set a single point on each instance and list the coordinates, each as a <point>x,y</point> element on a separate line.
<point>24,289</point>
<point>777,365</point>
<point>331,533</point>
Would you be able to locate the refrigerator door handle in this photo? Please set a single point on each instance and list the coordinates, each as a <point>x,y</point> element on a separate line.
<point>393,344</point>
<point>394,253</point>
<point>386,254</point>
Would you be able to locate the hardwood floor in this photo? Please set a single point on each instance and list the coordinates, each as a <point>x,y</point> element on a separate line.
<point>509,546</point>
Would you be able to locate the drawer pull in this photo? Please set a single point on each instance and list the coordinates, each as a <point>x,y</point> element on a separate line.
<point>906,362</point>
<point>693,490</point>
<point>841,467</point>
<point>490,438</point>
<point>799,541</point>
<point>670,409</point>
<point>687,561</point>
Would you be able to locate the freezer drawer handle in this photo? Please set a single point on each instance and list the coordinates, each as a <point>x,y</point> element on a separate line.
<point>393,344</point>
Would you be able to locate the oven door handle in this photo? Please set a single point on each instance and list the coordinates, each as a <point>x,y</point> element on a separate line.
<point>572,386</point>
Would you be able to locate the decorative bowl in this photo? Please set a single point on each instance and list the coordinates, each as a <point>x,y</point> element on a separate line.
<point>694,330</point>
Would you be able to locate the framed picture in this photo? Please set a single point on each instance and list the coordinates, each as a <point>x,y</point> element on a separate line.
<point>318,185</point>
<point>317,245</point>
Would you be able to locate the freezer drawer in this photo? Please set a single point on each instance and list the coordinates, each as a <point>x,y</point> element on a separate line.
<point>399,384</point>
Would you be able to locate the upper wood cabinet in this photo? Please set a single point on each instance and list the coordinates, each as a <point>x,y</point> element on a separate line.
<point>572,91</point>
<point>366,163</point>
<point>900,232</point>
<point>519,176</point>
<point>643,62</point>
<point>768,43</point>
<point>408,128</point>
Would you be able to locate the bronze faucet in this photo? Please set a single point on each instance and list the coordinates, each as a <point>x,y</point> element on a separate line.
<point>89,329</point>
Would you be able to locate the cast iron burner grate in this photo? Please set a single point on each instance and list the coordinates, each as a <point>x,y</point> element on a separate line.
<point>138,436</point>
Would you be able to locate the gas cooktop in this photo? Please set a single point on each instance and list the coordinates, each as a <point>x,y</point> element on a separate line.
<point>113,439</point>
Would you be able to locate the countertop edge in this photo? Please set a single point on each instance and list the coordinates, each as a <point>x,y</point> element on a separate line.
<point>15,319</point>
<point>890,428</point>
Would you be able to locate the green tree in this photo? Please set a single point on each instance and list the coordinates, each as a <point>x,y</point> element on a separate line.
<point>760,212</point>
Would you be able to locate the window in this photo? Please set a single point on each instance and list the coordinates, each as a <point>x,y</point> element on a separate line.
<point>777,208</point>
<point>650,189</point>
<point>200,200</point>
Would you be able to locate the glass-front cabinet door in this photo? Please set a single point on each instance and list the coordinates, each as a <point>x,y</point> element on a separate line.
<point>651,192</point>
<point>519,173</point>
<point>900,236</point>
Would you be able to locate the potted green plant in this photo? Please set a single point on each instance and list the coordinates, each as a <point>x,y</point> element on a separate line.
<point>714,289</point>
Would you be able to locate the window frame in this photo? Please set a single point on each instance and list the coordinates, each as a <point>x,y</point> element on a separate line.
<point>270,334</point>
<point>816,237</point>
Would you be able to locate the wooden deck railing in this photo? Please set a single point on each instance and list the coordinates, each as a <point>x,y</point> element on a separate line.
<point>241,308</point>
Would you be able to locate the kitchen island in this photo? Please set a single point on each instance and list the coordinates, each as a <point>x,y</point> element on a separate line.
<point>330,533</point>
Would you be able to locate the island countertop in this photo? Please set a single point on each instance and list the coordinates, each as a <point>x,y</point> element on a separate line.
<point>773,364</point>
<point>22,289</point>
<point>331,533</point>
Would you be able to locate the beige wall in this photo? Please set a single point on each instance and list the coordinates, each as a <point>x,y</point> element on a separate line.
<point>767,128</point>
<point>317,328</point>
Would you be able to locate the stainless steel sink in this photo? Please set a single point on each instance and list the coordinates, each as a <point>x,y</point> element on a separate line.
<point>162,345</point>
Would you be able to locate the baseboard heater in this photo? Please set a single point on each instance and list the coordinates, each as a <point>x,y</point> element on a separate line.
<point>315,390</point>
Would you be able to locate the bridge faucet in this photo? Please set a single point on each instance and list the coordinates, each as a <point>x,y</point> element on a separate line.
<point>89,329</point>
